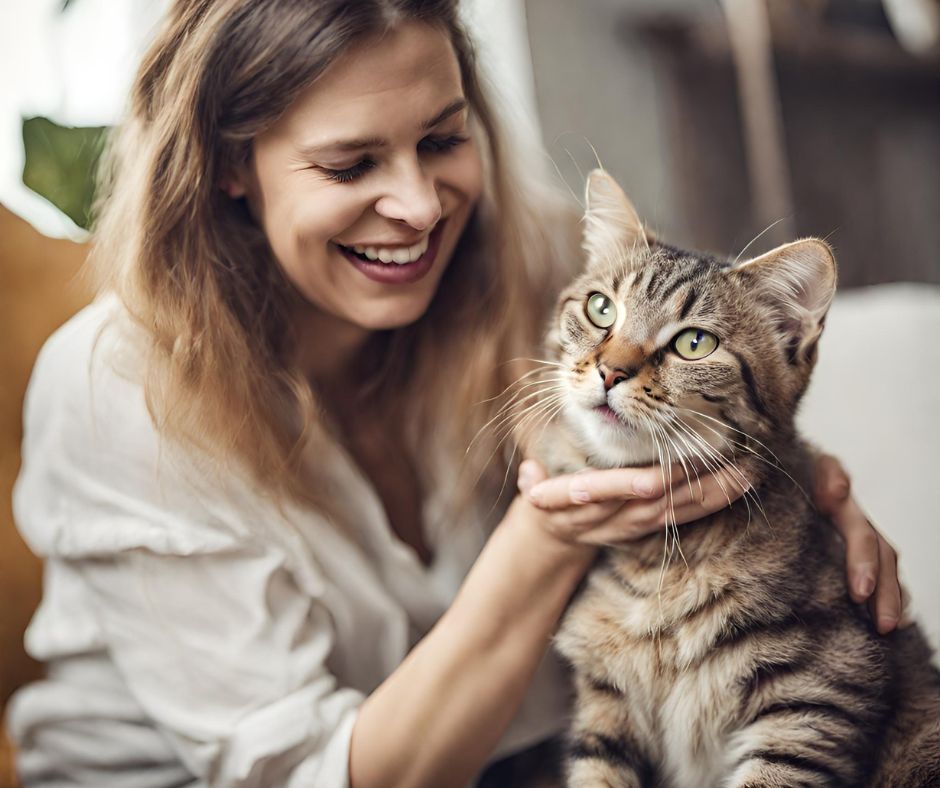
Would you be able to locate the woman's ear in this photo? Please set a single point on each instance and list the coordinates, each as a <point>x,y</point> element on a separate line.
<point>235,181</point>
<point>233,186</point>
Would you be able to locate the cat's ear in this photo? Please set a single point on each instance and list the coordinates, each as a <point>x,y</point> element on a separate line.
<point>799,279</point>
<point>611,224</point>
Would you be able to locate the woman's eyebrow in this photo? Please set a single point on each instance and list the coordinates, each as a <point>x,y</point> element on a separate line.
<point>451,109</point>
<point>353,145</point>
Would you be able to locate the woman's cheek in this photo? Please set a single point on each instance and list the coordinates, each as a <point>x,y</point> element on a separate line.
<point>472,171</point>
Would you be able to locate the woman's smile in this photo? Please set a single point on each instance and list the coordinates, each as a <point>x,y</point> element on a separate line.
<point>396,265</point>
<point>365,184</point>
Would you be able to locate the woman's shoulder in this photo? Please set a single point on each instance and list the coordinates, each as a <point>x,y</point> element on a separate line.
<point>78,369</point>
<point>96,475</point>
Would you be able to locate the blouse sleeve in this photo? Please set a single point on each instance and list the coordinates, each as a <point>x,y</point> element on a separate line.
<point>227,656</point>
<point>218,630</point>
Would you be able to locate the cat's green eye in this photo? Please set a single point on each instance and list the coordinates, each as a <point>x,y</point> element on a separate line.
<point>694,343</point>
<point>600,310</point>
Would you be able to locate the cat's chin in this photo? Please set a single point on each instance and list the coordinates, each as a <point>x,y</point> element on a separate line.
<point>610,442</point>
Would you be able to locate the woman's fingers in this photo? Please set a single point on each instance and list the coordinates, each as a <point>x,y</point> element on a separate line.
<point>715,492</point>
<point>684,503</point>
<point>888,604</point>
<point>833,497</point>
<point>871,562</point>
<point>615,484</point>
<point>572,524</point>
<point>833,486</point>
<point>531,473</point>
<point>605,507</point>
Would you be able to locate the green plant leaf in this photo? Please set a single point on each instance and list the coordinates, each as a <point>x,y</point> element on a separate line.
<point>60,165</point>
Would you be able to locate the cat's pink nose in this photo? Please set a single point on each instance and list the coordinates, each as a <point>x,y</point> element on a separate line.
<point>612,377</point>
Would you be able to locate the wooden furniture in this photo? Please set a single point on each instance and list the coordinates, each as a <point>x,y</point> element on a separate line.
<point>40,288</point>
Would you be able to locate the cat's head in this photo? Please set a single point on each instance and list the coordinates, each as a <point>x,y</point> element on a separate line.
<point>672,351</point>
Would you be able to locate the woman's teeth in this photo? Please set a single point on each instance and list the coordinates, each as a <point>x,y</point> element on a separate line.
<point>400,256</point>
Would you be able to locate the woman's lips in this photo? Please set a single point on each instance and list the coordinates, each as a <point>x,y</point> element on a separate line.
<point>395,273</point>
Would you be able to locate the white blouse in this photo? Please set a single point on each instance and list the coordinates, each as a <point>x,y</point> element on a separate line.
<point>195,633</point>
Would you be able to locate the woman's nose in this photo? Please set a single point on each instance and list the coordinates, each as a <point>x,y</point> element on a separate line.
<point>412,198</point>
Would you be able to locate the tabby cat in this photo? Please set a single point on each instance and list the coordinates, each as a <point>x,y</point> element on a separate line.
<point>728,654</point>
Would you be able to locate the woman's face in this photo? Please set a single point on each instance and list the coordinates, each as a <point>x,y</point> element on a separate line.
<point>366,182</point>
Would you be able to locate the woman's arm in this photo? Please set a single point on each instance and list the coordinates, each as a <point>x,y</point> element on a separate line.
<point>435,720</point>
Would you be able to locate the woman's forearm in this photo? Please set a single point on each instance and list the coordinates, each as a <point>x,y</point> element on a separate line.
<point>434,721</point>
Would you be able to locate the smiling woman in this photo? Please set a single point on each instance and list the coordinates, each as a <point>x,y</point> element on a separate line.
<point>277,544</point>
<point>373,166</point>
<point>259,426</point>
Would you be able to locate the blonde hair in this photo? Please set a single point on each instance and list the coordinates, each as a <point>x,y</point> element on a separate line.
<point>197,275</point>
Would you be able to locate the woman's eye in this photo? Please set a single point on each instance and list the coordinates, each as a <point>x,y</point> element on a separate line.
<point>441,144</point>
<point>694,343</point>
<point>600,310</point>
<point>350,173</point>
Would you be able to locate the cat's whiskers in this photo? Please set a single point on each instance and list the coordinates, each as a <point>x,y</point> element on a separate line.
<point>682,458</point>
<point>724,424</point>
<point>692,456</point>
<point>520,420</point>
<point>518,409</point>
<point>747,246</point>
<point>676,422</point>
<point>546,415</point>
<point>669,519</point>
<point>509,388</point>
<point>718,464</point>
<point>696,454</point>
<point>672,505</point>
<point>713,465</point>
<point>506,417</point>
<point>508,410</point>
<point>551,406</point>
<point>744,447</point>
<point>715,461</point>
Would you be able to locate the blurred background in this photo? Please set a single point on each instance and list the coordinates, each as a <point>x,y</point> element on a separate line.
<point>734,125</point>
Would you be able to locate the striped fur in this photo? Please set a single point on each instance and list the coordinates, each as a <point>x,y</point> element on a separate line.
<point>727,652</point>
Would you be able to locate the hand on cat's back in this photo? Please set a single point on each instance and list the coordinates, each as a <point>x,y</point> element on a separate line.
<point>871,562</point>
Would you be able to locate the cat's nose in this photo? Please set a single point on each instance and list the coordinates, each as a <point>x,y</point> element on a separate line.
<point>612,377</point>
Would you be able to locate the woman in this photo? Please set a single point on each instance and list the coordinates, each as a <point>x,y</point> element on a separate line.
<point>267,561</point>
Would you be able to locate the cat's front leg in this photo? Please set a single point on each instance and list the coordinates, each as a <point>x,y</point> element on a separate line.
<point>605,749</point>
<point>797,744</point>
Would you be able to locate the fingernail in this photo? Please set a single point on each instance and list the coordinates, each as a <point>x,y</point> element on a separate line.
<point>536,495</point>
<point>525,477</point>
<point>642,486</point>
<point>580,496</point>
<point>886,623</point>
<point>865,584</point>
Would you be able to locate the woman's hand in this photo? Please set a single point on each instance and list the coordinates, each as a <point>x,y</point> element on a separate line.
<point>871,563</point>
<point>623,504</point>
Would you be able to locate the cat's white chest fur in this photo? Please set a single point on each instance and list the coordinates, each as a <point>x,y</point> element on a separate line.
<point>561,449</point>
<point>677,714</point>
<point>695,754</point>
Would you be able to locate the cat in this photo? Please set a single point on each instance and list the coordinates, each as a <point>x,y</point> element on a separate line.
<point>727,653</point>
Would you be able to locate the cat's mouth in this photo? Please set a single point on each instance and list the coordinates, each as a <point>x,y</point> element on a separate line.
<point>610,415</point>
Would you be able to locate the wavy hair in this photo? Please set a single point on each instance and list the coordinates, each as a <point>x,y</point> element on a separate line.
<point>196,274</point>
